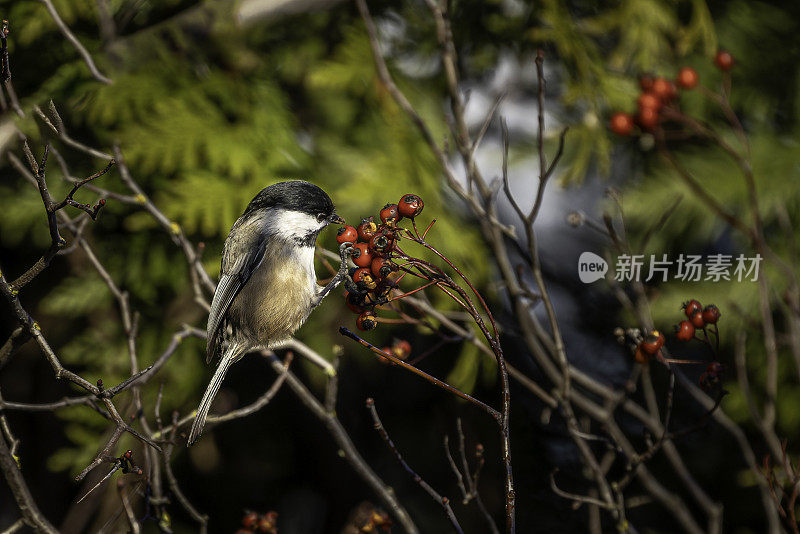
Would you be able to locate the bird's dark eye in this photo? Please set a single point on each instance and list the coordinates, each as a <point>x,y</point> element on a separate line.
<point>320,217</point>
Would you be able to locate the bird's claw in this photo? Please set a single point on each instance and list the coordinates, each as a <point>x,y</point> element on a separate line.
<point>345,251</point>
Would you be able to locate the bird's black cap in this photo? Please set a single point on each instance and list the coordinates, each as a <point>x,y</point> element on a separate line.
<point>295,195</point>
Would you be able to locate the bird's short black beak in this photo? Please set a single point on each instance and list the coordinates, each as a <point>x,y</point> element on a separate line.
<point>335,219</point>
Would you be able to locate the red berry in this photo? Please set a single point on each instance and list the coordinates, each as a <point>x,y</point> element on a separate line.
<point>361,255</point>
<point>664,89</point>
<point>381,267</point>
<point>250,520</point>
<point>367,229</point>
<point>661,338</point>
<point>715,368</point>
<point>712,376</point>
<point>366,321</point>
<point>101,202</point>
<point>647,118</point>
<point>697,320</point>
<point>370,299</point>
<point>346,234</point>
<point>648,100</point>
<point>646,82</point>
<point>724,60</point>
<point>380,518</point>
<point>621,123</point>
<point>265,526</point>
<point>692,307</point>
<point>687,78</point>
<point>641,356</point>
<point>711,314</point>
<point>652,342</point>
<point>410,206</point>
<point>403,347</point>
<point>384,359</point>
<point>380,244</point>
<point>684,331</point>
<point>705,382</point>
<point>364,279</point>
<point>390,214</point>
<point>353,302</point>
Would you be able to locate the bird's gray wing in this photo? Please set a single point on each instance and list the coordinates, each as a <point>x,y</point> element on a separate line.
<point>242,256</point>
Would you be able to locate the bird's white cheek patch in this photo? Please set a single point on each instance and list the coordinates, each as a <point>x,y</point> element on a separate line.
<point>292,224</point>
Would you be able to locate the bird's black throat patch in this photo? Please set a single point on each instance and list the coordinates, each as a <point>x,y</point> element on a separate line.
<point>308,240</point>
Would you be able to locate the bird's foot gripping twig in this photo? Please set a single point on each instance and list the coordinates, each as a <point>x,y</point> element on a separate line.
<point>345,251</point>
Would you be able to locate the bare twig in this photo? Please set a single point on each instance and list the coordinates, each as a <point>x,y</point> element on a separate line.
<point>202,519</point>
<point>51,209</point>
<point>56,124</point>
<point>444,501</point>
<point>31,514</point>
<point>347,449</point>
<point>175,231</point>
<point>575,497</point>
<point>5,75</point>
<point>126,505</point>
<point>245,411</point>
<point>67,33</point>
<point>433,380</point>
<point>472,479</point>
<point>16,526</point>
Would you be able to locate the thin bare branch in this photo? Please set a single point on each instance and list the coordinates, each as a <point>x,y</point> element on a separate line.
<point>347,449</point>
<point>31,514</point>
<point>67,33</point>
<point>443,501</point>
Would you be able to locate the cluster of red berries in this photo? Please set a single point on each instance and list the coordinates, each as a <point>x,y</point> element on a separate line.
<point>264,523</point>
<point>698,318</point>
<point>401,349</point>
<point>649,346</point>
<point>373,244</point>
<point>657,93</point>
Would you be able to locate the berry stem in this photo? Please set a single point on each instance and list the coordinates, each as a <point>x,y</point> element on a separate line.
<point>398,297</point>
<point>440,284</point>
<point>452,284</point>
<point>432,379</point>
<point>430,225</point>
<point>682,362</point>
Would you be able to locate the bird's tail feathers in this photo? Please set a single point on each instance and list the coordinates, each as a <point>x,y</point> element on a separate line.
<point>228,359</point>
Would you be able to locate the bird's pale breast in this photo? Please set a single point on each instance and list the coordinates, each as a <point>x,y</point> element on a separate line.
<point>277,299</point>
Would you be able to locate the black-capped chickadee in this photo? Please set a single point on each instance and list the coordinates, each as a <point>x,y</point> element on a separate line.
<point>268,286</point>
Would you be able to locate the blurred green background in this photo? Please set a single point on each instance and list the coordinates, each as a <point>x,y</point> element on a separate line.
<point>209,104</point>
